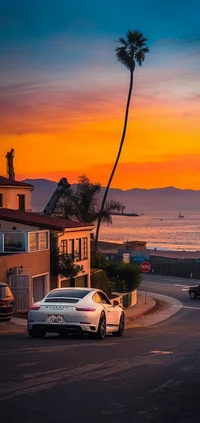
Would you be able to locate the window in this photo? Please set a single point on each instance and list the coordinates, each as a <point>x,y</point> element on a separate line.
<point>21,201</point>
<point>63,247</point>
<point>43,240</point>
<point>84,250</point>
<point>33,241</point>
<point>96,298</point>
<point>1,200</point>
<point>77,252</point>
<point>104,299</point>
<point>13,242</point>
<point>68,293</point>
<point>70,248</point>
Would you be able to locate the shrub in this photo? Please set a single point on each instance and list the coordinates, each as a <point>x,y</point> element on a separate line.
<point>100,280</point>
<point>98,260</point>
<point>125,276</point>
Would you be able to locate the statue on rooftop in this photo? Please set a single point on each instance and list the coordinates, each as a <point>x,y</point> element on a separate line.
<point>10,165</point>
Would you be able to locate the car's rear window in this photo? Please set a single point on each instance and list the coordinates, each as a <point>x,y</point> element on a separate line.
<point>68,293</point>
<point>5,292</point>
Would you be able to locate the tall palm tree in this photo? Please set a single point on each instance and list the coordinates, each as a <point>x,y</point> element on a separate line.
<point>131,52</point>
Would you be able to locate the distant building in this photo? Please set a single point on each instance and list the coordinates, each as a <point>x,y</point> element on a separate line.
<point>15,195</point>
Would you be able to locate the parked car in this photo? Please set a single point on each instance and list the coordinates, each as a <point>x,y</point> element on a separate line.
<point>194,292</point>
<point>6,302</point>
<point>76,310</point>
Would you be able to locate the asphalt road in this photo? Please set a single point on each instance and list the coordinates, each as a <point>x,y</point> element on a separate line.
<point>150,375</point>
<point>173,287</point>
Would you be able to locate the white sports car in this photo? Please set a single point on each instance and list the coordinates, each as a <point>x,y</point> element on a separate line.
<point>76,310</point>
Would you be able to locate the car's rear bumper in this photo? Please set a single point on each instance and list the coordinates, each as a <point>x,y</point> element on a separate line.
<point>62,327</point>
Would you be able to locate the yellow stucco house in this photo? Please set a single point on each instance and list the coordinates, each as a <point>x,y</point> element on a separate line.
<point>25,244</point>
<point>15,194</point>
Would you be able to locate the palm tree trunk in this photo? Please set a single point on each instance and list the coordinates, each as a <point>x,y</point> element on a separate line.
<point>116,161</point>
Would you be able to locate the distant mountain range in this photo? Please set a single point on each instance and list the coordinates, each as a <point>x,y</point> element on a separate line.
<point>139,200</point>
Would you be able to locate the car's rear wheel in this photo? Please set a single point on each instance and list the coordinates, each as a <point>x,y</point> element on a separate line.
<point>120,330</point>
<point>36,333</point>
<point>193,296</point>
<point>101,333</point>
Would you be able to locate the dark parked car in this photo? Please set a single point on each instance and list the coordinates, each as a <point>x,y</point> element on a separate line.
<point>6,302</point>
<point>194,292</point>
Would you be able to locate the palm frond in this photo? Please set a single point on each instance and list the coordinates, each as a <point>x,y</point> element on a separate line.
<point>113,206</point>
<point>133,49</point>
<point>124,57</point>
<point>122,41</point>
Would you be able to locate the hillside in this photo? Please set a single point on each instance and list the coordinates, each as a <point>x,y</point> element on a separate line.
<point>139,200</point>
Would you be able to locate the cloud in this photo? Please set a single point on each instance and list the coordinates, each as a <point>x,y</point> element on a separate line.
<point>76,79</point>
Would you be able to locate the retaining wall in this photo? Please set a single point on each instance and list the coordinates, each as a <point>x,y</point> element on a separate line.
<point>126,299</point>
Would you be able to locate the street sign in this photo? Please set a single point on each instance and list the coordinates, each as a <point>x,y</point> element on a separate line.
<point>126,257</point>
<point>145,267</point>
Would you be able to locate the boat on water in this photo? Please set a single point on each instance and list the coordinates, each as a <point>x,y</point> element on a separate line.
<point>180,215</point>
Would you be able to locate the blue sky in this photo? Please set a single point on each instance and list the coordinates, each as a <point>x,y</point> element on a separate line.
<point>58,70</point>
<point>39,18</point>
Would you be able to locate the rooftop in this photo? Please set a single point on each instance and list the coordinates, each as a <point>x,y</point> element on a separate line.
<point>39,220</point>
<point>6,182</point>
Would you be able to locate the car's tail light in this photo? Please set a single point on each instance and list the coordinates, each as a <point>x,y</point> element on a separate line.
<point>85,309</point>
<point>34,307</point>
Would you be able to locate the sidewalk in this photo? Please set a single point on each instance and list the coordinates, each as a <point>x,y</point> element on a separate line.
<point>140,309</point>
<point>15,325</point>
<point>163,307</point>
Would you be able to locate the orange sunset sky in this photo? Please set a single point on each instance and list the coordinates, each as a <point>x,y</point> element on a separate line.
<point>63,96</point>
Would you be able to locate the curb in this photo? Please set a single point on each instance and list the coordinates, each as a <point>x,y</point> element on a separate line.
<point>144,312</point>
<point>20,321</point>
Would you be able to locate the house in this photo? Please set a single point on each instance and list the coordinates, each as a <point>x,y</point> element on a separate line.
<point>25,264</point>
<point>14,194</point>
<point>25,241</point>
<point>73,238</point>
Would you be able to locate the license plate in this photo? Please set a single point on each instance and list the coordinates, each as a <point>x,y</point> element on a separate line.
<point>55,318</point>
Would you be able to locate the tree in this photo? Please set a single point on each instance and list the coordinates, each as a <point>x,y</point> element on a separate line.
<point>99,280</point>
<point>62,264</point>
<point>125,276</point>
<point>98,260</point>
<point>83,203</point>
<point>67,268</point>
<point>132,51</point>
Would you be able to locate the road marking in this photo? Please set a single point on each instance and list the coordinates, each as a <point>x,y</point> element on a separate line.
<point>162,352</point>
<point>185,286</point>
<point>189,307</point>
<point>192,308</point>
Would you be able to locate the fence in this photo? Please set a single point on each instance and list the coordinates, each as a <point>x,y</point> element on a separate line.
<point>184,268</point>
<point>19,284</point>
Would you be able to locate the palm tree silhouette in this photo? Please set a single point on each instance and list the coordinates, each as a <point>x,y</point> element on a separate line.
<point>131,52</point>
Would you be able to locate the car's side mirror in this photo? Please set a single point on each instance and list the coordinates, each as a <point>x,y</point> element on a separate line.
<point>115,303</point>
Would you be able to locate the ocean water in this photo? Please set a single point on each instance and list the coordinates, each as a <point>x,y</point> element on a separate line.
<point>170,233</point>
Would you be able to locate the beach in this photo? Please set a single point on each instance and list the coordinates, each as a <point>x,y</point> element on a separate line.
<point>112,247</point>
